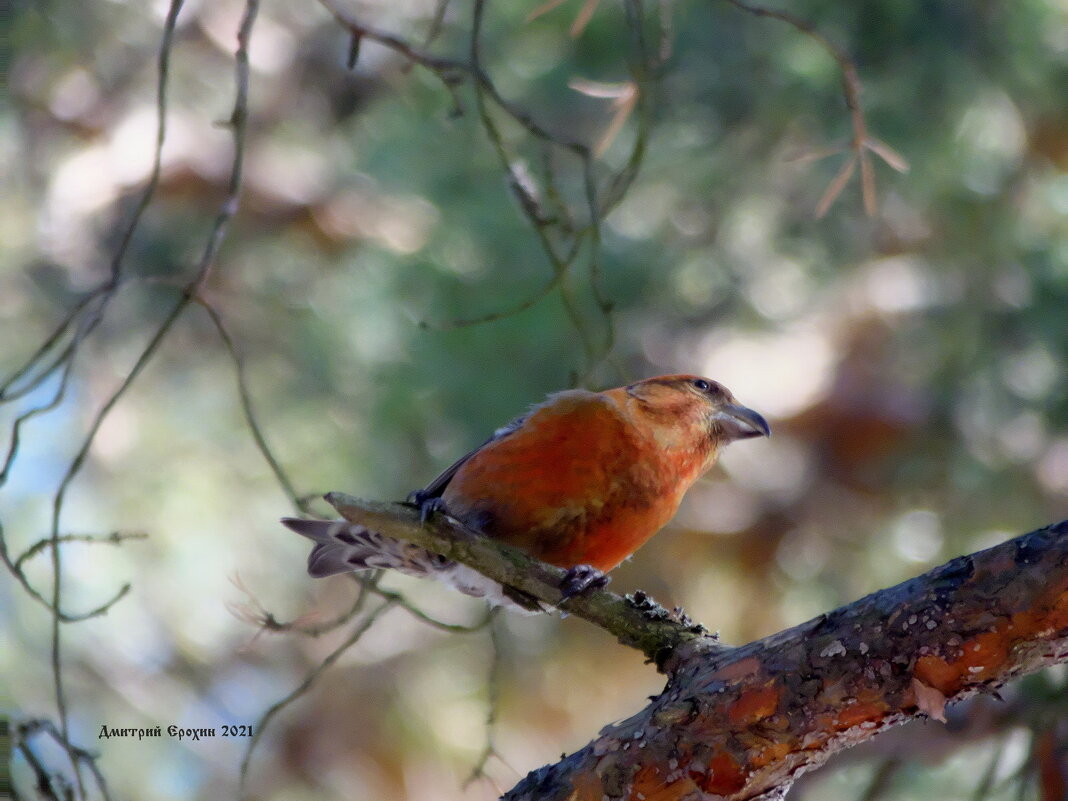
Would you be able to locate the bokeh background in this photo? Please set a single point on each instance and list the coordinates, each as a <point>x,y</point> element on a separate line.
<point>911,362</point>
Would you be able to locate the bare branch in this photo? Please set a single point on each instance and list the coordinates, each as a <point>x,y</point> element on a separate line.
<point>835,187</point>
<point>256,614</point>
<point>15,567</point>
<point>265,720</point>
<point>560,239</point>
<point>861,142</point>
<point>447,69</point>
<point>251,420</point>
<point>451,628</point>
<point>114,538</point>
<point>583,18</point>
<point>58,352</point>
<point>493,681</point>
<point>7,390</point>
<point>46,783</point>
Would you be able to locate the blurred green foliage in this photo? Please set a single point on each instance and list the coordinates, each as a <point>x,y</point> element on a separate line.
<point>912,363</point>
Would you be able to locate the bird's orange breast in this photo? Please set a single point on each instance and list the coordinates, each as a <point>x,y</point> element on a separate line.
<point>580,482</point>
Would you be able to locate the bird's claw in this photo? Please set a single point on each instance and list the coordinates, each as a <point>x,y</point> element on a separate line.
<point>427,506</point>
<point>582,579</point>
<point>416,497</point>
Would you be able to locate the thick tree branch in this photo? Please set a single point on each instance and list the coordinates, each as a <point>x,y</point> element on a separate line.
<point>636,620</point>
<point>744,723</point>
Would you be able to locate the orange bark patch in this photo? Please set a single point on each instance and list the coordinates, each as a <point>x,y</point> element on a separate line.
<point>649,782</point>
<point>725,776</point>
<point>754,705</point>
<point>1058,615</point>
<point>856,714</point>
<point>770,754</point>
<point>1050,612</point>
<point>587,787</point>
<point>984,653</point>
<point>936,672</point>
<point>977,658</point>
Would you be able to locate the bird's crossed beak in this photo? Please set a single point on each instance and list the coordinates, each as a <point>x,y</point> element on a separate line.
<point>741,422</point>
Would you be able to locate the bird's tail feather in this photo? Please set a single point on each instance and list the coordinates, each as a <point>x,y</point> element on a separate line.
<point>342,547</point>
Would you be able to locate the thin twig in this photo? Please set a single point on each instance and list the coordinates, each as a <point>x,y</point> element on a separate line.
<point>95,301</point>
<point>114,538</point>
<point>491,317</point>
<point>57,511</point>
<point>229,206</point>
<point>452,628</point>
<point>861,143</point>
<point>446,69</point>
<point>257,614</point>
<point>162,84</point>
<point>9,394</point>
<point>450,71</point>
<point>493,698</point>
<point>16,427</point>
<point>15,569</point>
<point>170,26</point>
<point>437,24</point>
<point>245,397</point>
<point>265,720</point>
<point>484,88</point>
<point>27,730</point>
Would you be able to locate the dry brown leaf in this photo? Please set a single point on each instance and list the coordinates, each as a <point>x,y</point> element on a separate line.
<point>806,156</point>
<point>887,154</point>
<point>604,91</point>
<point>929,700</point>
<point>867,183</point>
<point>834,189</point>
<point>544,8</point>
<point>624,97</point>
<point>583,18</point>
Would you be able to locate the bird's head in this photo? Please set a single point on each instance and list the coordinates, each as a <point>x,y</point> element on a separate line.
<point>690,401</point>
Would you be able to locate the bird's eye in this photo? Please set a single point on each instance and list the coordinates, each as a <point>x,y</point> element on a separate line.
<point>702,385</point>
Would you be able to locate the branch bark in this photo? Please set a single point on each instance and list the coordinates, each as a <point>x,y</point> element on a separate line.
<point>635,620</point>
<point>744,723</point>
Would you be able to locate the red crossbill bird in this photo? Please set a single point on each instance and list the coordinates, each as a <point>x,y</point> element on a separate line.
<point>581,481</point>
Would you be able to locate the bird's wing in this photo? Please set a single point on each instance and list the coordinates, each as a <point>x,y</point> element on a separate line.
<point>436,487</point>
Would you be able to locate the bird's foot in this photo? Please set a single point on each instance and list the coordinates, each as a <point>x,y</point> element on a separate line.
<point>427,506</point>
<point>581,579</point>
